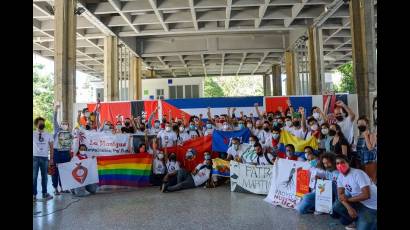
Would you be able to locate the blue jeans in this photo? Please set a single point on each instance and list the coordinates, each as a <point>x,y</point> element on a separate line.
<point>366,217</point>
<point>40,163</point>
<point>307,204</point>
<point>81,191</point>
<point>59,157</point>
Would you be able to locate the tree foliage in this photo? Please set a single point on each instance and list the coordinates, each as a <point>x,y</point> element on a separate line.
<point>347,84</point>
<point>232,86</point>
<point>212,89</point>
<point>43,96</point>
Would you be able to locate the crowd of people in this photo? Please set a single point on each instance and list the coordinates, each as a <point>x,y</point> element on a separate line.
<point>349,160</point>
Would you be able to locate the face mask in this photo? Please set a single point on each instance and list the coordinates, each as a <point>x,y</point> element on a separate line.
<point>343,168</point>
<point>64,127</point>
<point>156,125</point>
<point>87,114</point>
<point>306,156</point>
<point>106,127</point>
<point>296,123</point>
<point>236,146</point>
<point>225,127</point>
<point>181,129</point>
<point>332,132</point>
<point>192,127</point>
<point>266,129</point>
<point>82,152</point>
<point>207,157</point>
<point>119,126</point>
<point>241,126</point>
<point>314,127</point>
<point>325,131</point>
<point>316,115</point>
<point>127,124</point>
<point>41,126</point>
<point>160,156</point>
<point>275,135</point>
<point>142,129</point>
<point>168,129</point>
<point>209,126</point>
<point>209,166</point>
<point>249,125</point>
<point>173,158</point>
<point>313,163</point>
<point>340,118</point>
<point>289,153</point>
<point>252,143</point>
<point>288,123</point>
<point>362,128</point>
<point>87,127</point>
<point>275,123</point>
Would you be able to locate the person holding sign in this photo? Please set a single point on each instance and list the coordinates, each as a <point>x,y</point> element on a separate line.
<point>357,197</point>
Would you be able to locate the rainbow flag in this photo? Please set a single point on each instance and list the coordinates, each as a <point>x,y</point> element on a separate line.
<point>125,170</point>
<point>300,144</point>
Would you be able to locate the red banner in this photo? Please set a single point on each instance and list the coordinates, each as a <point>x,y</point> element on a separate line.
<point>302,182</point>
<point>110,110</point>
<point>272,103</point>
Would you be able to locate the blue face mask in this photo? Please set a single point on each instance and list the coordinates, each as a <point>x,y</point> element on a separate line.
<point>192,127</point>
<point>209,126</point>
<point>313,163</point>
<point>241,126</point>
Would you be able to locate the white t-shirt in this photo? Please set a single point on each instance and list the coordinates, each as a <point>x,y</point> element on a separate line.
<point>202,175</point>
<point>209,131</point>
<point>193,133</point>
<point>242,148</point>
<point>347,128</point>
<point>265,138</point>
<point>183,137</point>
<point>354,181</point>
<point>41,146</point>
<point>262,159</point>
<point>256,131</point>
<point>297,132</point>
<point>154,130</point>
<point>173,166</point>
<point>158,167</point>
<point>170,136</point>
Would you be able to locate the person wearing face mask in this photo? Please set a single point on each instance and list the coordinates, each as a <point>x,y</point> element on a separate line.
<point>193,130</point>
<point>357,197</point>
<point>314,129</point>
<point>310,157</point>
<point>236,150</point>
<point>326,170</point>
<point>262,158</point>
<point>158,169</point>
<point>168,138</point>
<point>172,167</point>
<point>201,175</point>
<point>128,126</point>
<point>258,128</point>
<point>209,129</point>
<point>299,128</point>
<point>338,143</point>
<point>42,147</point>
<point>345,123</point>
<point>91,188</point>
<point>118,127</point>
<point>265,136</point>
<point>288,123</point>
<point>249,156</point>
<point>366,148</point>
<point>324,138</point>
<point>318,115</point>
<point>290,153</point>
<point>107,127</point>
<point>182,135</point>
<point>63,139</point>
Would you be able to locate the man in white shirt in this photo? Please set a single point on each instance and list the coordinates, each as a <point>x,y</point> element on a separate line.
<point>345,123</point>
<point>42,146</point>
<point>360,203</point>
<point>262,158</point>
<point>299,128</point>
<point>236,150</point>
<point>168,137</point>
<point>198,177</point>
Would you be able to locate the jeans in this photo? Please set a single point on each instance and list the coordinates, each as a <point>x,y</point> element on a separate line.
<point>59,157</point>
<point>42,164</point>
<point>81,191</point>
<point>366,217</point>
<point>307,204</point>
<point>184,181</point>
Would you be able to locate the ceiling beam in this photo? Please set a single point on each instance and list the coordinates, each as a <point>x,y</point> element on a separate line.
<point>185,65</point>
<point>193,13</point>
<point>262,11</point>
<point>240,65</point>
<point>203,65</point>
<point>117,6</point>
<point>166,66</point>
<point>260,62</point>
<point>159,15</point>
<point>228,13</point>
<point>296,8</point>
<point>222,64</point>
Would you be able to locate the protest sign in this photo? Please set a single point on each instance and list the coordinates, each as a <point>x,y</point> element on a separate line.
<point>78,173</point>
<point>323,196</point>
<point>104,143</point>
<point>302,182</point>
<point>250,178</point>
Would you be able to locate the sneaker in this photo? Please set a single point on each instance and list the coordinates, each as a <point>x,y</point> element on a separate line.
<point>351,226</point>
<point>47,196</point>
<point>318,213</point>
<point>56,192</point>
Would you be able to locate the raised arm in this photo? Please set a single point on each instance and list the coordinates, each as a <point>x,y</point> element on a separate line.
<point>170,116</point>
<point>327,104</point>
<point>303,120</point>
<point>55,122</point>
<point>352,115</point>
<point>257,111</point>
<point>210,116</point>
<point>151,116</point>
<point>290,108</point>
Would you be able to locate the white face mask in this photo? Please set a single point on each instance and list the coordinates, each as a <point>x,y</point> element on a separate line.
<point>82,152</point>
<point>236,146</point>
<point>167,128</point>
<point>252,143</point>
<point>156,125</point>
<point>314,127</point>
<point>275,135</point>
<point>225,127</point>
<point>249,125</point>
<point>288,123</point>
<point>87,114</point>
<point>316,115</point>
<point>64,127</point>
<point>306,156</point>
<point>106,127</point>
<point>160,156</point>
<point>181,129</point>
<point>325,131</point>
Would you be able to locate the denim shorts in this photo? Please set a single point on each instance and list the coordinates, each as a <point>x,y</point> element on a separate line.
<point>368,156</point>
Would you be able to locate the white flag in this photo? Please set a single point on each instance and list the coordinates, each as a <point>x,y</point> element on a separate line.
<point>78,173</point>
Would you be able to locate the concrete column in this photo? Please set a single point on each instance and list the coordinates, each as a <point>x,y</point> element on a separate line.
<point>276,80</point>
<point>313,71</point>
<point>266,85</point>
<point>135,86</point>
<point>111,85</point>
<point>363,51</point>
<point>320,70</point>
<point>290,73</point>
<point>65,23</point>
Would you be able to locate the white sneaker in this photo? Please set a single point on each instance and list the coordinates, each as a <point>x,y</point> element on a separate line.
<point>351,226</point>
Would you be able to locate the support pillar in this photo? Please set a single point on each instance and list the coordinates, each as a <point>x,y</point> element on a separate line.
<point>135,86</point>
<point>290,73</point>
<point>111,85</point>
<point>65,24</point>
<point>266,85</point>
<point>313,71</point>
<point>276,80</point>
<point>363,51</point>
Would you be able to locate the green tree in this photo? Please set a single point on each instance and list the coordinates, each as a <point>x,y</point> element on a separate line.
<point>43,96</point>
<point>242,86</point>
<point>212,89</point>
<point>347,84</point>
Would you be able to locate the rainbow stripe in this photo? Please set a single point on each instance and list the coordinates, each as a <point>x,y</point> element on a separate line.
<point>125,170</point>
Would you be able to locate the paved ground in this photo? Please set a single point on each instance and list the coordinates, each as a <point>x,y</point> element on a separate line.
<point>148,208</point>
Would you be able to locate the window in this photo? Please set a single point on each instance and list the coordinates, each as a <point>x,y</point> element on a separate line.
<point>191,91</point>
<point>176,91</point>
<point>188,91</point>
<point>160,93</point>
